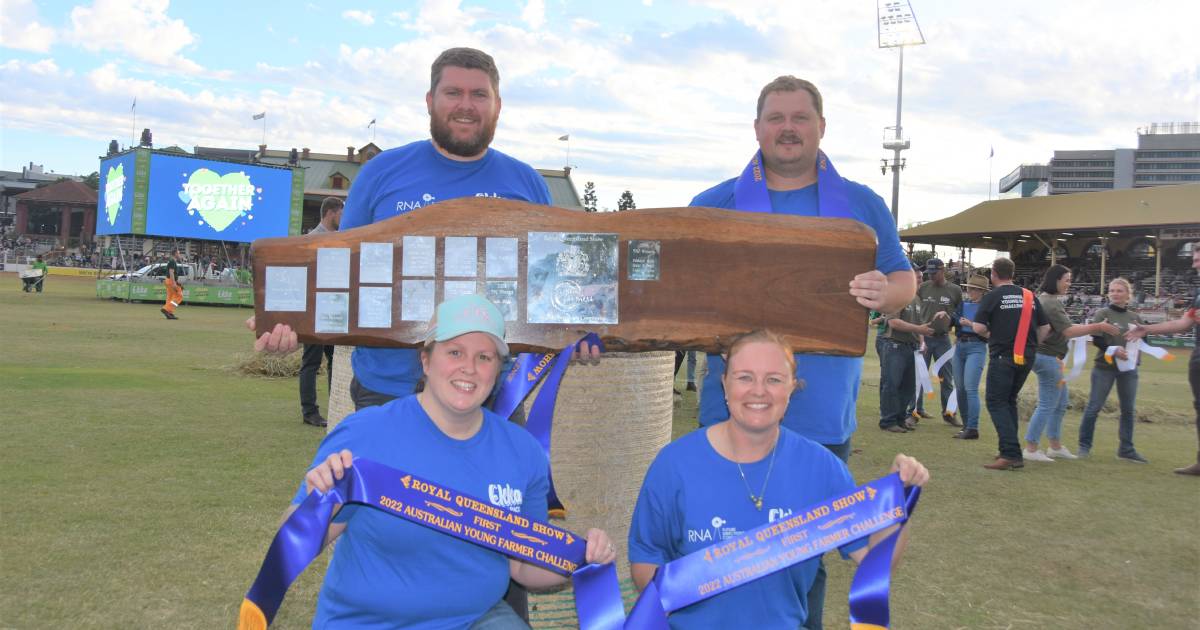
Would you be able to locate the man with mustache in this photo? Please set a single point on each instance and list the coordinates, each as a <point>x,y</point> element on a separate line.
<point>790,175</point>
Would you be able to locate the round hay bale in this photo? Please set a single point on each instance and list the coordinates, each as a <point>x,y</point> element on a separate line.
<point>340,403</point>
<point>609,423</point>
<point>269,365</point>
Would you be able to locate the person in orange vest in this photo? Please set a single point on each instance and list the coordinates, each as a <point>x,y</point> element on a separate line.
<point>174,289</point>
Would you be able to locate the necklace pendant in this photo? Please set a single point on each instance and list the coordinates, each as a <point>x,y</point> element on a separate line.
<point>758,503</point>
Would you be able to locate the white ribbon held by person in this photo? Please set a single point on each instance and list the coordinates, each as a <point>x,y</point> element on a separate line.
<point>1133,350</point>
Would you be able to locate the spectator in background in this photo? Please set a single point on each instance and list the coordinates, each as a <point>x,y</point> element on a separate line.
<point>310,362</point>
<point>940,300</point>
<point>970,352</point>
<point>1004,314</point>
<point>1190,319</point>
<point>40,282</point>
<point>897,373</point>
<point>1052,389</point>
<point>1108,372</point>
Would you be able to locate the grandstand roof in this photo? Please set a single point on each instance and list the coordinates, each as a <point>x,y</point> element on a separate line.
<point>992,223</point>
<point>68,192</point>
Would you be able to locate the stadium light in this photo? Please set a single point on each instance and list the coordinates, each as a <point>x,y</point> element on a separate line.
<point>897,28</point>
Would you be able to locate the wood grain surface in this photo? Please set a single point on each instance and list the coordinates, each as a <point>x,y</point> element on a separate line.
<point>722,273</point>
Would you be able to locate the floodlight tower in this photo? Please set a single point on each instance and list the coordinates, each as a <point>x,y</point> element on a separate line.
<point>897,28</point>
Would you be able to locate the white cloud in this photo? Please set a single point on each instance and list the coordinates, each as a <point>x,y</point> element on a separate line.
<point>581,25</point>
<point>534,14</point>
<point>398,18</point>
<point>669,117</point>
<point>362,17</point>
<point>139,28</point>
<point>20,29</point>
<point>442,18</point>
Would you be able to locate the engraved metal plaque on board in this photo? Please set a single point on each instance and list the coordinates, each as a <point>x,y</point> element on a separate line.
<point>572,278</point>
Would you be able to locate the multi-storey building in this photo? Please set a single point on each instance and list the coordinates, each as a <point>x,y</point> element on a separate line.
<point>1167,153</point>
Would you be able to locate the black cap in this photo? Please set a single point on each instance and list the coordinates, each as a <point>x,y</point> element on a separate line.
<point>933,264</point>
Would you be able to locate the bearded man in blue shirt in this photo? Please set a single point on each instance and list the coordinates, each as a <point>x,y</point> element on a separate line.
<point>464,107</point>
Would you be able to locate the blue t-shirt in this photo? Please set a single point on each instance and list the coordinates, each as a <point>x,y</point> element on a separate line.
<point>389,573</point>
<point>413,176</point>
<point>693,497</point>
<point>824,410</point>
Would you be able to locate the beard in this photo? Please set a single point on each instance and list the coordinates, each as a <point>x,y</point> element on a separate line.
<point>468,147</point>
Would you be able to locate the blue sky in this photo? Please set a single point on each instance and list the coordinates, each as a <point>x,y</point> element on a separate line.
<point>658,97</point>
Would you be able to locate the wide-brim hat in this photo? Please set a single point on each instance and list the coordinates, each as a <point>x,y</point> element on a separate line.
<point>466,314</point>
<point>977,281</point>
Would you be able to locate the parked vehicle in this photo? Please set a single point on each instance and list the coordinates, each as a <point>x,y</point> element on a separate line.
<point>157,272</point>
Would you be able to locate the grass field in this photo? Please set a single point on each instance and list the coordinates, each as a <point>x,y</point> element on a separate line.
<point>145,477</point>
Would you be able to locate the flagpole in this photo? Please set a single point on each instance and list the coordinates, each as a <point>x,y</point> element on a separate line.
<point>566,138</point>
<point>133,126</point>
<point>264,140</point>
<point>991,155</point>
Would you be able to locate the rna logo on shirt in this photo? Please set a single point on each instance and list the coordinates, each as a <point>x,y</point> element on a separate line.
<point>505,496</point>
<point>409,206</point>
<point>718,531</point>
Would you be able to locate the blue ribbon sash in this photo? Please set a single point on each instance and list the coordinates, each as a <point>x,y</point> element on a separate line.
<point>776,546</point>
<point>687,580</point>
<point>446,510</point>
<point>750,190</point>
<point>527,371</point>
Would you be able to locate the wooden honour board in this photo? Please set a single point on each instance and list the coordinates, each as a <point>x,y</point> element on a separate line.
<point>720,273</point>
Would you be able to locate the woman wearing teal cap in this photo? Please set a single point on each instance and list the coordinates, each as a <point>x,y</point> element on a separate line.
<point>387,572</point>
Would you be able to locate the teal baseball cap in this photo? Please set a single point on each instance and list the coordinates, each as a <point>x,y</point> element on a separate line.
<point>466,314</point>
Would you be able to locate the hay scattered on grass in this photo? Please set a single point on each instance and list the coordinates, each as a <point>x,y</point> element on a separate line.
<point>1145,411</point>
<point>269,365</point>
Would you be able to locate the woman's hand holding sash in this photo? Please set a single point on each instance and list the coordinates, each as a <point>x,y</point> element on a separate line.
<point>705,573</point>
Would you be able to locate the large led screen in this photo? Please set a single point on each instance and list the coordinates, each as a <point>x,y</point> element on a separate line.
<point>115,212</point>
<point>206,199</point>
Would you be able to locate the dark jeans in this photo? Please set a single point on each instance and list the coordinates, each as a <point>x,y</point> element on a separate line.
<point>1194,380</point>
<point>310,363</point>
<point>1004,381</point>
<point>897,382</point>
<point>816,592</point>
<point>1102,383</point>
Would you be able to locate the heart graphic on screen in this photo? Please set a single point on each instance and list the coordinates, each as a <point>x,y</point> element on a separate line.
<point>218,199</point>
<point>114,190</point>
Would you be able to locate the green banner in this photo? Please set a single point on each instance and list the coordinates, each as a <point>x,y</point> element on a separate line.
<point>1170,342</point>
<point>297,202</point>
<point>141,186</point>
<point>156,292</point>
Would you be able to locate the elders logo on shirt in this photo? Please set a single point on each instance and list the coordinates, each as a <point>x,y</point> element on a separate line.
<point>505,496</point>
